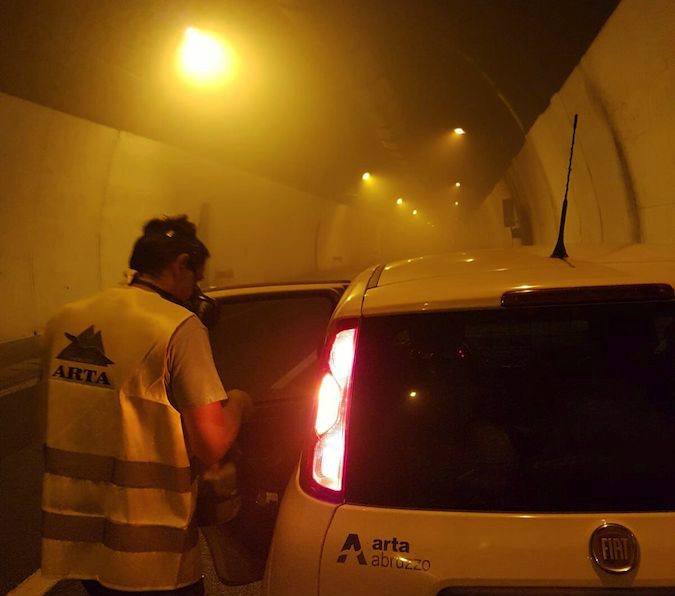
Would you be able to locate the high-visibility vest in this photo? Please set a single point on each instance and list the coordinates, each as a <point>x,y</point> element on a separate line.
<point>119,493</point>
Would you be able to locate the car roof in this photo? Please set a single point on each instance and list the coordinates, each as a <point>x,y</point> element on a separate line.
<point>479,278</point>
<point>274,288</point>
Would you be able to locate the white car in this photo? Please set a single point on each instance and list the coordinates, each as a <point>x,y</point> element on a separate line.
<point>491,423</point>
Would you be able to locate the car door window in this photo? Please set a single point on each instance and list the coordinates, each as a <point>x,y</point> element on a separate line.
<point>268,345</point>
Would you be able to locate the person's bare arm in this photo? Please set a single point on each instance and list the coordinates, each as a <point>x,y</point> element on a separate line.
<point>211,429</point>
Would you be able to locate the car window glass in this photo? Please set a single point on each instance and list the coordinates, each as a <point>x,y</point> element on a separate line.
<point>268,346</point>
<point>538,409</point>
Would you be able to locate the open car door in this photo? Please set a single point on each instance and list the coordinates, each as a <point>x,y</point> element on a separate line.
<point>266,341</point>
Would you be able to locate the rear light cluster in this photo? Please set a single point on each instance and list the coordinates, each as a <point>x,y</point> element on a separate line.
<point>324,457</point>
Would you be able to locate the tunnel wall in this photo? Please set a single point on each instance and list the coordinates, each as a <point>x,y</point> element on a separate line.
<point>74,196</point>
<point>622,186</point>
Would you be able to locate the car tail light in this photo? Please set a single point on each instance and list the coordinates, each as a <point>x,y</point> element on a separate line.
<point>324,458</point>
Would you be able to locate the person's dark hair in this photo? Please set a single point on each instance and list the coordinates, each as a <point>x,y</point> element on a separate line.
<point>162,241</point>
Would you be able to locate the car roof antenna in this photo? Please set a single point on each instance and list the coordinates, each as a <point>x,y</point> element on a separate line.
<point>559,251</point>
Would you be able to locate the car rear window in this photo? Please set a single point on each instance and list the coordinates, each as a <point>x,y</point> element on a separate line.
<point>533,409</point>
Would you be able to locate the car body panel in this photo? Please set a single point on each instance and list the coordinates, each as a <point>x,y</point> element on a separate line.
<point>478,279</point>
<point>350,304</point>
<point>252,291</point>
<point>293,569</point>
<point>486,549</point>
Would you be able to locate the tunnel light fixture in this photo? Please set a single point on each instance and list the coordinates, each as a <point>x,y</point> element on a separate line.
<point>456,203</point>
<point>458,184</point>
<point>459,131</point>
<point>399,201</point>
<point>414,211</point>
<point>365,176</point>
<point>204,58</point>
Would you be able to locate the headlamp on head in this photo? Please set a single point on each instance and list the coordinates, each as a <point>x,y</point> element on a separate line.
<point>165,239</point>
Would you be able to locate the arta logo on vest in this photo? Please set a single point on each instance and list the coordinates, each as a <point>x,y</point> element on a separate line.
<point>87,348</point>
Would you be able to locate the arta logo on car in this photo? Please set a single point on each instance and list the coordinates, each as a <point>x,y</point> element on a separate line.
<point>380,556</point>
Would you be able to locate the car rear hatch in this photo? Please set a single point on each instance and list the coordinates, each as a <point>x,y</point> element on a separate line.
<point>385,551</point>
<point>526,447</point>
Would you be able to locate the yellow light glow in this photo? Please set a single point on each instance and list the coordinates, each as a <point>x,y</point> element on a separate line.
<point>330,453</point>
<point>365,176</point>
<point>399,201</point>
<point>456,203</point>
<point>328,408</point>
<point>414,211</point>
<point>413,394</point>
<point>459,131</point>
<point>458,184</point>
<point>204,58</point>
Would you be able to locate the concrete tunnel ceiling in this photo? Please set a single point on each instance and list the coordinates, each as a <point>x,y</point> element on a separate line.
<point>326,89</point>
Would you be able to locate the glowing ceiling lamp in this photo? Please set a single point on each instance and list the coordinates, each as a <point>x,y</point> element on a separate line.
<point>204,58</point>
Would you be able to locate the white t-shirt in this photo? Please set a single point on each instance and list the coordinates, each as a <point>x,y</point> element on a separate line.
<point>191,378</point>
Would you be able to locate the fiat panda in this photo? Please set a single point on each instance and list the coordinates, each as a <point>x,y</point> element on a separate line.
<point>491,423</point>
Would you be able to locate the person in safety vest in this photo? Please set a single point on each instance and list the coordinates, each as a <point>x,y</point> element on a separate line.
<point>134,410</point>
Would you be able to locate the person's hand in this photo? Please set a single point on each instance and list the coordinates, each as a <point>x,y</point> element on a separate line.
<point>242,401</point>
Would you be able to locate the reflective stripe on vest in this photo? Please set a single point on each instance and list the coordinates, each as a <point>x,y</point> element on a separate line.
<point>119,537</point>
<point>100,468</point>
